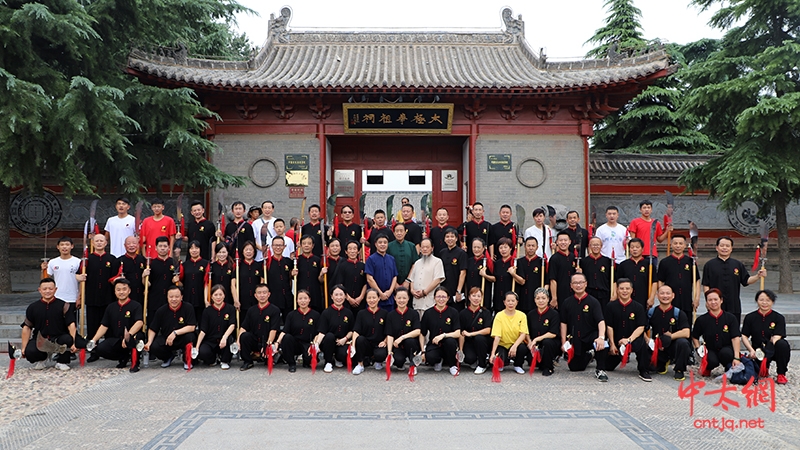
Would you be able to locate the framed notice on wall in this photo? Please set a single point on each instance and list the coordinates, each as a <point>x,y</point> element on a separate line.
<point>296,167</point>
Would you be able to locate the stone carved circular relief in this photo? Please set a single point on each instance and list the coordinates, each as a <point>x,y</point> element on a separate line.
<point>531,173</point>
<point>35,214</point>
<point>746,221</point>
<point>264,172</point>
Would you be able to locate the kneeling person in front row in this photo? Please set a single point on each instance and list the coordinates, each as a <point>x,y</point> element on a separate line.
<point>476,327</point>
<point>543,328</point>
<point>509,329</point>
<point>583,326</point>
<point>335,330</point>
<point>442,325</point>
<point>122,327</point>
<point>259,329</point>
<point>172,328</point>
<point>299,329</point>
<point>720,332</point>
<point>672,325</point>
<point>765,330</point>
<point>625,323</point>
<point>369,334</point>
<point>403,330</point>
<point>216,330</point>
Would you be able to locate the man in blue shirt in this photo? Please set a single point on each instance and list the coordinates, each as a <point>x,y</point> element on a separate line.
<point>381,272</point>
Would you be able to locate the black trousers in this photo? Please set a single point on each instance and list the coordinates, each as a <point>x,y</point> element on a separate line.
<point>550,349</point>
<point>290,348</point>
<point>476,350</point>
<point>367,349</point>
<point>209,351</point>
<point>94,315</point>
<point>678,352</point>
<point>405,350</point>
<point>722,356</point>
<point>330,350</point>
<point>582,357</point>
<point>523,353</point>
<point>33,354</point>
<point>111,347</point>
<point>162,351</point>
<point>781,357</point>
<point>642,352</point>
<point>250,343</point>
<point>444,353</point>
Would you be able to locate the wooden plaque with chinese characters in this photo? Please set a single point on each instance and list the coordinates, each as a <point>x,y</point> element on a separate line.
<point>401,118</point>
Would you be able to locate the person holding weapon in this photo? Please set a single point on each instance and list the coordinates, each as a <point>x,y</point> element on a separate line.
<point>281,275</point>
<point>98,276</point>
<point>160,276</point>
<point>194,277</point>
<point>528,275</point>
<point>350,274</point>
<point>121,326</point>
<point>454,261</point>
<point>223,271</point>
<point>480,269</point>
<point>335,331</point>
<point>476,326</point>
<point>728,275</point>
<point>259,329</point>
<point>217,328</point>
<point>597,269</point>
<point>679,272</point>
<point>248,276</point>
<point>299,330</point>
<point>309,271</point>
<point>505,228</point>
<point>132,266</point>
<point>200,229</point>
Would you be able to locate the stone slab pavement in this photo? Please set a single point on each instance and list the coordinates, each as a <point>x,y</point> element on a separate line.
<point>105,408</point>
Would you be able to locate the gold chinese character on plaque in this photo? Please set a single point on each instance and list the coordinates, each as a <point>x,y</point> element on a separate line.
<point>419,119</point>
<point>354,119</point>
<point>369,118</point>
<point>436,118</point>
<point>402,118</point>
<point>385,118</point>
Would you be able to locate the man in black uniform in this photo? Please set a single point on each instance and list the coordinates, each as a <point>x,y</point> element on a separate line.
<point>636,269</point>
<point>133,265</point>
<point>315,228</point>
<point>369,335</point>
<point>578,236</point>
<point>504,228</point>
<point>299,329</point>
<point>597,269</point>
<point>280,271</point>
<point>544,326</point>
<point>379,229</point>
<point>122,327</point>
<point>676,271</point>
<point>49,318</point>
<point>443,327</point>
<point>200,229</point>
<point>728,275</point>
<point>259,328</point>
<point>584,328</point>
<point>671,323</point>
<point>454,261</point>
<point>347,229</point>
<point>161,276</point>
<point>238,231</point>
<point>172,328</point>
<point>765,329</point>
<point>309,273</point>
<point>335,330</point>
<point>439,231</point>
<point>528,275</point>
<point>561,267</point>
<point>625,324</point>
<point>720,333</point>
<point>477,227</point>
<point>476,326</point>
<point>402,329</point>
<point>413,230</point>
<point>99,293</point>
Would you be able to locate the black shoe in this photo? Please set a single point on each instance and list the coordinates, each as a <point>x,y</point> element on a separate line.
<point>547,372</point>
<point>93,357</point>
<point>645,376</point>
<point>307,365</point>
<point>679,375</point>
<point>293,368</point>
<point>135,369</point>
<point>73,357</point>
<point>122,364</point>
<point>246,366</point>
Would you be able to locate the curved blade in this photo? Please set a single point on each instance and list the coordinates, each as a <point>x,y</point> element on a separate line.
<point>362,206</point>
<point>390,207</point>
<point>138,216</point>
<point>178,204</point>
<point>221,203</point>
<point>264,233</point>
<point>424,208</point>
<point>520,216</point>
<point>764,231</point>
<point>670,204</point>
<point>330,207</point>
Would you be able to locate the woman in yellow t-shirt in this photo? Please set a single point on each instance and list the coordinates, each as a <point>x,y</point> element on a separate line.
<point>509,330</point>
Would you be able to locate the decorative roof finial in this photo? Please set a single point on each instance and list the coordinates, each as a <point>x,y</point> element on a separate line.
<point>513,27</point>
<point>279,27</point>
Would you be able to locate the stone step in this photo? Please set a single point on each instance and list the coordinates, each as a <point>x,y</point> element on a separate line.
<point>11,332</point>
<point>794,342</point>
<point>793,329</point>
<point>12,318</point>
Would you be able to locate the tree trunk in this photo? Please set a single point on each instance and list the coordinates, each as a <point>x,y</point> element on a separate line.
<point>785,266</point>
<point>5,228</point>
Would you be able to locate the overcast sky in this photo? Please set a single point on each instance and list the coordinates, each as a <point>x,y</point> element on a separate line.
<point>561,27</point>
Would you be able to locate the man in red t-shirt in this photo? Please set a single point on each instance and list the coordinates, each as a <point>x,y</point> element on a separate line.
<point>153,227</point>
<point>640,228</point>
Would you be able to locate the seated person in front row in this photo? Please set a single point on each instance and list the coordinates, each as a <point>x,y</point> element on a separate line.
<point>672,325</point>
<point>172,328</point>
<point>122,327</point>
<point>583,327</point>
<point>299,330</point>
<point>259,328</point>
<point>625,324</point>
<point>720,333</point>
<point>476,326</point>
<point>442,326</point>
<point>217,328</point>
<point>335,330</point>
<point>403,330</point>
<point>543,329</point>
<point>509,329</point>
<point>369,334</point>
<point>765,330</point>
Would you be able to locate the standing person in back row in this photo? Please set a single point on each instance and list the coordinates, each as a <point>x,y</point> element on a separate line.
<point>63,270</point>
<point>156,226</point>
<point>676,271</point>
<point>642,227</point>
<point>119,227</point>
<point>542,233</point>
<point>728,275</point>
<point>613,235</point>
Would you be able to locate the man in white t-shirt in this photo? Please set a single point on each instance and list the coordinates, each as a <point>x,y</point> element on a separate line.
<point>267,209</point>
<point>63,270</point>
<point>118,228</point>
<point>613,235</point>
<point>542,233</point>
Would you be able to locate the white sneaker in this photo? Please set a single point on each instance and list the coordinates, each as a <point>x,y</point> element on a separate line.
<point>39,366</point>
<point>167,362</point>
<point>479,370</point>
<point>185,366</point>
<point>338,363</point>
<point>519,370</point>
<point>378,366</point>
<point>328,368</point>
<point>438,366</point>
<point>453,370</point>
<point>61,366</point>
<point>358,369</point>
<point>414,371</point>
<point>224,366</point>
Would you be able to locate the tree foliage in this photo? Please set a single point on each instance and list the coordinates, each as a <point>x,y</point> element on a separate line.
<point>623,29</point>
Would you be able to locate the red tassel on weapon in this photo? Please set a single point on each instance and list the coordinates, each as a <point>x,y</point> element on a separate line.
<point>536,357</point>
<point>763,372</point>
<point>134,357</point>
<point>756,259</point>
<point>704,365</point>
<point>388,367</point>
<point>570,354</point>
<point>498,364</point>
<point>13,354</point>
<point>626,354</point>
<point>349,362</point>
<point>411,371</point>
<point>270,359</point>
<point>489,262</point>
<point>458,366</point>
<point>188,355</point>
<point>313,352</point>
<point>82,357</point>
<point>11,366</point>
<point>654,358</point>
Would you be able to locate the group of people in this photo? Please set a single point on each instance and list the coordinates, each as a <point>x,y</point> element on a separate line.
<point>403,292</point>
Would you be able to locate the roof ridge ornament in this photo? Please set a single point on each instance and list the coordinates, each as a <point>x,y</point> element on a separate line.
<point>515,28</point>
<point>279,27</point>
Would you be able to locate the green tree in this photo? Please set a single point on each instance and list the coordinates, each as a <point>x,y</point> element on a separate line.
<point>748,93</point>
<point>623,29</point>
<point>72,116</point>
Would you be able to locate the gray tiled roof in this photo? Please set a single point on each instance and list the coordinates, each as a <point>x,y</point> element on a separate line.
<point>641,166</point>
<point>331,59</point>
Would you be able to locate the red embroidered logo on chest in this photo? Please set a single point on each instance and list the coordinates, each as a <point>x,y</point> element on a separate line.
<point>180,320</point>
<point>632,316</point>
<point>345,320</point>
<point>226,317</point>
<point>585,308</point>
<point>672,321</point>
<point>724,328</point>
<point>447,321</point>
<point>641,269</point>
<point>127,314</point>
<point>603,269</point>
<point>408,323</point>
<point>772,325</point>
<point>546,322</point>
<point>736,271</point>
<point>310,321</point>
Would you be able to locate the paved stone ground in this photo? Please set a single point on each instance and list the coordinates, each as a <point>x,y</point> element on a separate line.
<point>102,407</point>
